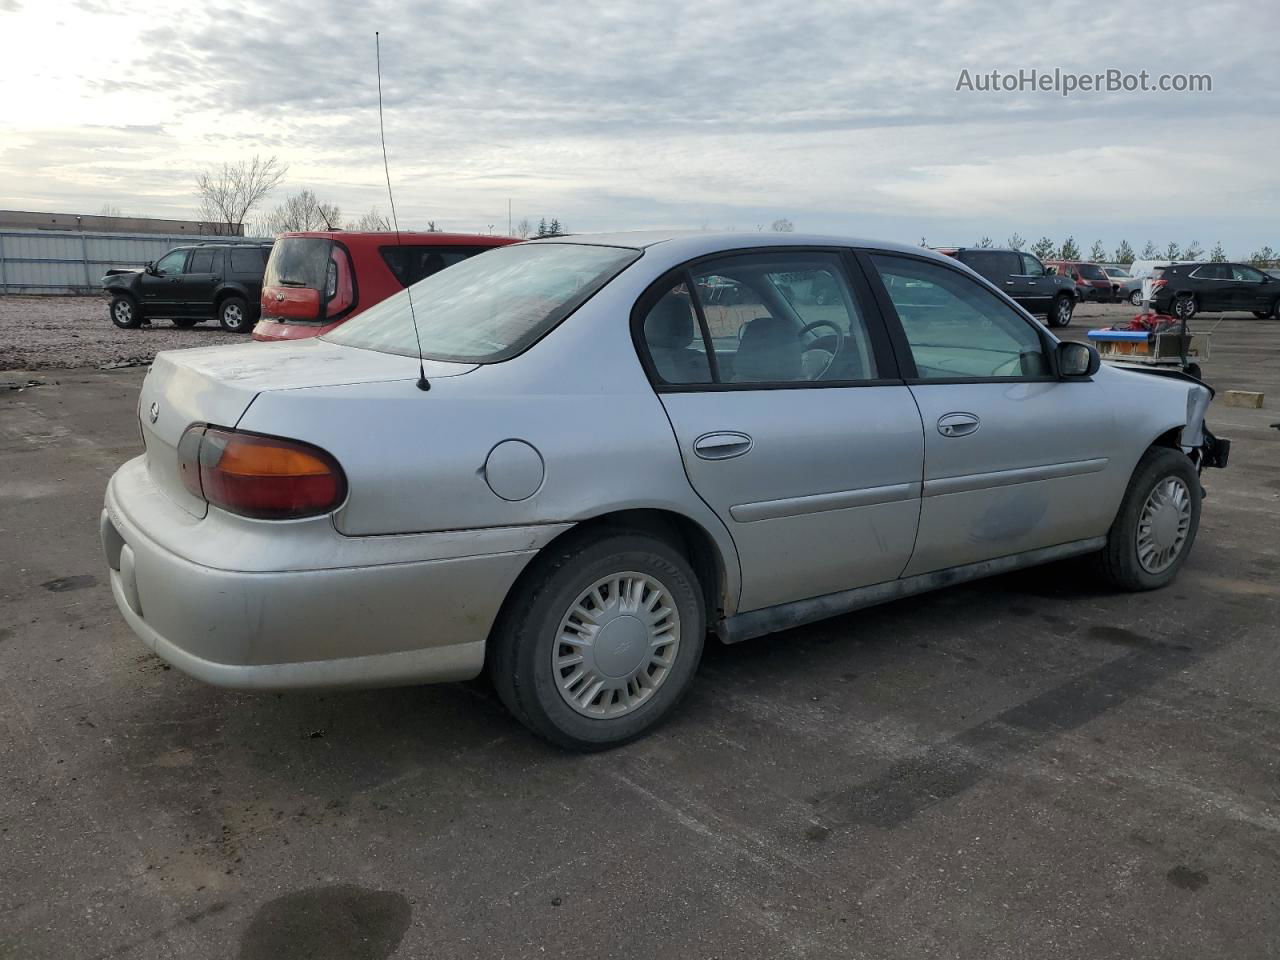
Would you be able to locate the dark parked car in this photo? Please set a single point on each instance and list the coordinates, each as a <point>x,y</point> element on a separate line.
<point>1092,282</point>
<point>1024,278</point>
<point>203,281</point>
<point>1186,289</point>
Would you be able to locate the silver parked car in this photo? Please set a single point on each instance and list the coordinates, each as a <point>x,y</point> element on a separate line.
<point>605,458</point>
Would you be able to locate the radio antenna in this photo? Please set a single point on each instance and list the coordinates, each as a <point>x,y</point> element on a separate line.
<point>423,383</point>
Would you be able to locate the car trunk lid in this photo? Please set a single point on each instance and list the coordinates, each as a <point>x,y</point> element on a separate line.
<point>216,385</point>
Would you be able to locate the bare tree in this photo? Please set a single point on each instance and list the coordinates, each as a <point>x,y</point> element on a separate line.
<point>111,214</point>
<point>229,192</point>
<point>432,228</point>
<point>302,211</point>
<point>373,221</point>
<point>782,225</point>
<point>523,228</point>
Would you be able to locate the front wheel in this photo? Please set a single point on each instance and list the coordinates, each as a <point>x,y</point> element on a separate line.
<point>233,315</point>
<point>600,640</point>
<point>1135,298</point>
<point>125,313</point>
<point>1061,311</point>
<point>1156,526</point>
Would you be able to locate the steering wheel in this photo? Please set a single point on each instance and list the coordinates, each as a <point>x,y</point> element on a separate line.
<point>839,343</point>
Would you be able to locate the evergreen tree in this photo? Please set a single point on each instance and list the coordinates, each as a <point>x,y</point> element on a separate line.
<point>1172,251</point>
<point>1124,253</point>
<point>1069,250</point>
<point>542,227</point>
<point>1192,251</point>
<point>1098,253</point>
<point>1150,251</point>
<point>1217,254</point>
<point>1016,242</point>
<point>1043,248</point>
<point>1263,257</point>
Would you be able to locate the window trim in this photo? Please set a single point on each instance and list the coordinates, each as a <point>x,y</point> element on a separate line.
<point>878,334</point>
<point>898,334</point>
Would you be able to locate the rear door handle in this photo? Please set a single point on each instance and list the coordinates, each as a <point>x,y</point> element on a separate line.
<point>722,446</point>
<point>958,424</point>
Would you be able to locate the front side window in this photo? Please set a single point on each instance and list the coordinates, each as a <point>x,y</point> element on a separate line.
<point>955,327</point>
<point>785,317</point>
<point>1246,273</point>
<point>1031,267</point>
<point>171,263</point>
<point>487,309</point>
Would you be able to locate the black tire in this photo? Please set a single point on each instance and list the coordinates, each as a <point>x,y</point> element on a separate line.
<point>1060,313</point>
<point>1119,561</point>
<point>1135,298</point>
<point>1275,309</point>
<point>525,637</point>
<point>233,315</point>
<point>185,323</point>
<point>1262,314</point>
<point>124,312</point>
<point>1184,306</point>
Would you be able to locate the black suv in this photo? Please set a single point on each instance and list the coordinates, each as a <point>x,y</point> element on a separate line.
<point>1024,278</point>
<point>190,284</point>
<point>1185,289</point>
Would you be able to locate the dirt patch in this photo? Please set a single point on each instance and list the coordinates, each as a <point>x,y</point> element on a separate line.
<point>37,333</point>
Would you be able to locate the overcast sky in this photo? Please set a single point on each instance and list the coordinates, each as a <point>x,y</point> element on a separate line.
<point>842,116</point>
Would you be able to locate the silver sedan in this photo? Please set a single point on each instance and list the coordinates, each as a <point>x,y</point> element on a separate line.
<point>570,461</point>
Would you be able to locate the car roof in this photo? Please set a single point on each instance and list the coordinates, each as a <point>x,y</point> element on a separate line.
<point>420,237</point>
<point>695,243</point>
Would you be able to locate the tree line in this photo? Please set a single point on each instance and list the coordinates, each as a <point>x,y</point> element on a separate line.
<point>1046,249</point>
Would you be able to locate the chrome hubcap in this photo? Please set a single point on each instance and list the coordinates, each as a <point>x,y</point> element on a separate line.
<point>123,312</point>
<point>1163,526</point>
<point>616,645</point>
<point>232,314</point>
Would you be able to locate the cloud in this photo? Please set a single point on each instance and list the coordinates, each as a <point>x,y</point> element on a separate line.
<point>833,113</point>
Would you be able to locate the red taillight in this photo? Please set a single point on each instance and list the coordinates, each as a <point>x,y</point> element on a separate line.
<point>339,293</point>
<point>1157,284</point>
<point>267,478</point>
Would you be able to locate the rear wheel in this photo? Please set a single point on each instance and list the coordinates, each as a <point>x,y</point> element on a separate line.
<point>1061,311</point>
<point>1156,526</point>
<point>600,640</point>
<point>1184,307</point>
<point>233,315</point>
<point>184,323</point>
<point>1275,309</point>
<point>1135,298</point>
<point>125,313</point>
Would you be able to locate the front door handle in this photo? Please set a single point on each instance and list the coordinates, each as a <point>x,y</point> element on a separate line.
<point>722,446</point>
<point>958,424</point>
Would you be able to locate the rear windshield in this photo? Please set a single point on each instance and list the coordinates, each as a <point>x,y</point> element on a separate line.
<point>1091,271</point>
<point>298,262</point>
<point>489,308</point>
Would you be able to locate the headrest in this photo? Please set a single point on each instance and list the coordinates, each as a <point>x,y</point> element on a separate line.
<point>770,350</point>
<point>670,323</point>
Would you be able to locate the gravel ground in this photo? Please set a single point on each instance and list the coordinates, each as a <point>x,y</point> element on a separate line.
<point>37,333</point>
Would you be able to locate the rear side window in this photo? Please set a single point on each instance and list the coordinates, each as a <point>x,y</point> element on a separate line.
<point>1091,271</point>
<point>248,259</point>
<point>992,264</point>
<point>674,339</point>
<point>411,263</point>
<point>202,261</point>
<point>956,328</point>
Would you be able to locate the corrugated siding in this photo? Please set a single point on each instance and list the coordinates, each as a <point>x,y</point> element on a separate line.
<point>42,261</point>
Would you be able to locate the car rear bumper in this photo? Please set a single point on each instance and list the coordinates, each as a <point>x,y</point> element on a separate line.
<point>382,622</point>
<point>273,330</point>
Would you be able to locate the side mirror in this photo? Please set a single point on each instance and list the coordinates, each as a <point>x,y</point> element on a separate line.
<point>1077,360</point>
<point>1048,271</point>
<point>149,267</point>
